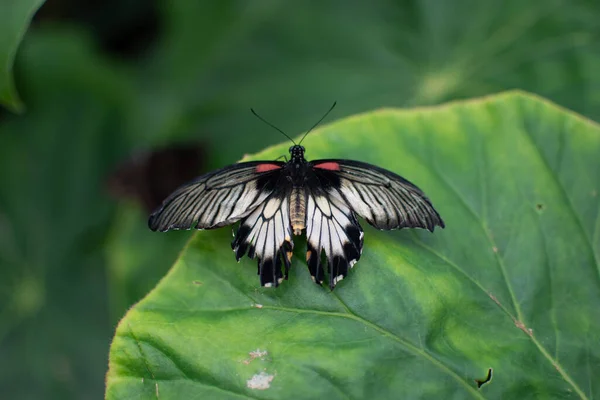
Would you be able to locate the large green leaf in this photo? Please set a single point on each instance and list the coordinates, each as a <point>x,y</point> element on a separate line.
<point>14,20</point>
<point>512,283</point>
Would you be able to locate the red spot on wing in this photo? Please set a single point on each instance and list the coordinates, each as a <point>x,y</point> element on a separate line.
<point>267,167</point>
<point>331,166</point>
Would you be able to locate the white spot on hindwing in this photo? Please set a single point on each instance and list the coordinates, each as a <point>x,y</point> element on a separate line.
<point>271,207</point>
<point>323,205</point>
<point>337,279</point>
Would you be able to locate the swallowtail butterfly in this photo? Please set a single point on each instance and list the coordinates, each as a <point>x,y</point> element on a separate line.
<point>276,200</point>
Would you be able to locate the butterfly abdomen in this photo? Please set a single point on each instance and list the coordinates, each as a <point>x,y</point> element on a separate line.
<point>298,209</point>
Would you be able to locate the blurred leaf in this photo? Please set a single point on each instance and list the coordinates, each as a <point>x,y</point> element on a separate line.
<point>291,61</point>
<point>149,177</point>
<point>54,217</point>
<point>14,20</point>
<point>133,253</point>
<point>512,284</point>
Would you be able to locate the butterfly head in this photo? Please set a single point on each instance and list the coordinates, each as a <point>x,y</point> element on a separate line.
<point>297,152</point>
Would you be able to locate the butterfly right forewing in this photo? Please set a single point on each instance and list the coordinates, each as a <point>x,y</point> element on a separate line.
<point>384,199</point>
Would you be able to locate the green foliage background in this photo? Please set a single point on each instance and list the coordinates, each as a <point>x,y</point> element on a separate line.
<point>99,81</point>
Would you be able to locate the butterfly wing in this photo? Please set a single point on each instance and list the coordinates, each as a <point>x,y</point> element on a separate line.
<point>331,228</point>
<point>384,199</point>
<point>218,198</point>
<point>266,233</point>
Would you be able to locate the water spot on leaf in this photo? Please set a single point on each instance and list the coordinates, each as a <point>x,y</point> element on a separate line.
<point>260,381</point>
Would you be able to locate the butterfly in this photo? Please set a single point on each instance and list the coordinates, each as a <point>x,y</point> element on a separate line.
<point>275,200</point>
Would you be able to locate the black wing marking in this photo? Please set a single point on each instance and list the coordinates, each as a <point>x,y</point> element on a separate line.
<point>218,198</point>
<point>332,228</point>
<point>266,233</point>
<point>384,199</point>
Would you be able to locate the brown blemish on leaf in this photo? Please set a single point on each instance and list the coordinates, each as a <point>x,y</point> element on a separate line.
<point>494,299</point>
<point>522,327</point>
<point>539,206</point>
<point>517,323</point>
<point>197,283</point>
<point>258,353</point>
<point>495,249</point>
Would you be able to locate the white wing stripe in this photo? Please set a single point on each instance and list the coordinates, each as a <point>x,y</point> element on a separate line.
<point>355,200</point>
<point>323,205</point>
<point>227,205</point>
<point>271,207</point>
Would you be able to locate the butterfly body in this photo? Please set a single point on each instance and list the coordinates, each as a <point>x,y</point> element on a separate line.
<point>298,209</point>
<point>276,200</point>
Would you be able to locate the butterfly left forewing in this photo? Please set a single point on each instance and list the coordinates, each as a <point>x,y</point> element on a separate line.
<point>218,198</point>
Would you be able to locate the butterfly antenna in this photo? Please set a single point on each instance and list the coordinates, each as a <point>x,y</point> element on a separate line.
<point>319,121</point>
<point>271,125</point>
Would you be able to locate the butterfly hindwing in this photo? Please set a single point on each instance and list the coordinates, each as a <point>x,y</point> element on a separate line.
<point>384,199</point>
<point>266,233</point>
<point>218,198</point>
<point>331,228</point>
